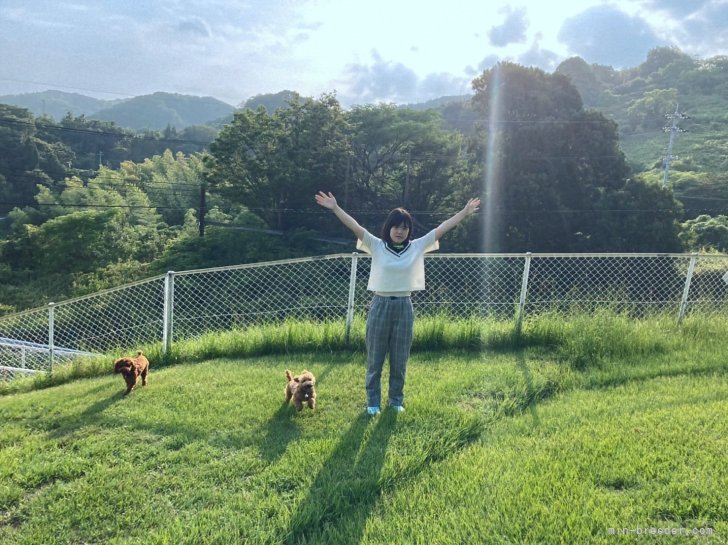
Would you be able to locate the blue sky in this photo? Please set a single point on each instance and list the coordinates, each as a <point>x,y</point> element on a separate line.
<point>402,51</point>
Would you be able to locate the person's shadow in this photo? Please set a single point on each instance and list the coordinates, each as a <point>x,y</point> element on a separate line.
<point>533,396</point>
<point>348,486</point>
<point>279,426</point>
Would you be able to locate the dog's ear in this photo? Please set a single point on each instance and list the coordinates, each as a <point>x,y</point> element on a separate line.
<point>122,364</point>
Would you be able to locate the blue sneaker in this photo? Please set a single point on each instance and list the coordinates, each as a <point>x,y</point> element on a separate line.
<point>373,411</point>
<point>397,408</point>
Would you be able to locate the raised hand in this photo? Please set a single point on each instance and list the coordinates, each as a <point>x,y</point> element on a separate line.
<point>472,206</point>
<point>326,200</point>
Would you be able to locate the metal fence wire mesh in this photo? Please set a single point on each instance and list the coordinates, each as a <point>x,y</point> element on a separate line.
<point>188,304</point>
<point>230,297</point>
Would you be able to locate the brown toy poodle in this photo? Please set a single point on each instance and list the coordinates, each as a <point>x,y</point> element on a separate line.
<point>132,369</point>
<point>301,389</point>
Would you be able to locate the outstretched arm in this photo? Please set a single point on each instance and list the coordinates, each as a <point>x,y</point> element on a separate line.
<point>329,201</point>
<point>448,224</point>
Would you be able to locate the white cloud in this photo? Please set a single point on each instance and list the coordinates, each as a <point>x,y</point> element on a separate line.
<point>607,35</point>
<point>235,49</point>
<point>513,29</point>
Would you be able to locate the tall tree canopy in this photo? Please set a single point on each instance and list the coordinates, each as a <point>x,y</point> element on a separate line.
<point>372,158</point>
<point>402,157</point>
<point>274,164</point>
<point>555,178</point>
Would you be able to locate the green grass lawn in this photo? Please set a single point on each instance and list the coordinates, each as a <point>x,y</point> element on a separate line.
<point>522,445</point>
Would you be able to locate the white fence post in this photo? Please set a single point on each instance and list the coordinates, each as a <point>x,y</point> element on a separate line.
<point>524,291</point>
<point>686,290</point>
<point>352,289</point>
<point>51,335</point>
<point>168,319</point>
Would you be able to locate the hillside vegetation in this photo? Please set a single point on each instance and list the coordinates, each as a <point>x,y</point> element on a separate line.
<point>570,162</point>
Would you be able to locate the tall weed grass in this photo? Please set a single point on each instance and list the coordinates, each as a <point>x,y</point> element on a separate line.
<point>580,340</point>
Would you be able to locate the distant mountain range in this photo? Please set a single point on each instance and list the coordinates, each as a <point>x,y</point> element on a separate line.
<point>638,100</point>
<point>154,112</point>
<point>160,110</point>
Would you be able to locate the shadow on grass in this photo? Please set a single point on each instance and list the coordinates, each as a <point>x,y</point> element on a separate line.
<point>353,479</point>
<point>531,395</point>
<point>280,431</point>
<point>347,487</point>
<point>91,415</point>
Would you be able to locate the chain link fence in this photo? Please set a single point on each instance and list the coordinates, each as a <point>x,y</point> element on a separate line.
<point>188,304</point>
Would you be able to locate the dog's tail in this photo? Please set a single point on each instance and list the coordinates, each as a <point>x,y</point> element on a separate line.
<point>140,353</point>
<point>289,376</point>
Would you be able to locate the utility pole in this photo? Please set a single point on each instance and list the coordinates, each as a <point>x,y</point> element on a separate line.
<point>674,129</point>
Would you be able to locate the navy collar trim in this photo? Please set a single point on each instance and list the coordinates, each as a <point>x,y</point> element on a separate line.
<point>392,250</point>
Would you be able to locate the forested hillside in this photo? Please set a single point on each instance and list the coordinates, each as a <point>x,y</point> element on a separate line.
<point>57,104</point>
<point>565,162</point>
<point>161,110</point>
<point>157,111</point>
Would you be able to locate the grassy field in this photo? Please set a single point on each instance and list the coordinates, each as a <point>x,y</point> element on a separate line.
<point>587,430</point>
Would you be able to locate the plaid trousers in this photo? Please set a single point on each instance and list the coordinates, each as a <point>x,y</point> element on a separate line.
<point>389,330</point>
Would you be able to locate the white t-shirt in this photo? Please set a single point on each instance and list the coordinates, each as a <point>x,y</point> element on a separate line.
<point>397,273</point>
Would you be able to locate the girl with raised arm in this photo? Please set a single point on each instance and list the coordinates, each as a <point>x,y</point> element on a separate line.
<point>397,269</point>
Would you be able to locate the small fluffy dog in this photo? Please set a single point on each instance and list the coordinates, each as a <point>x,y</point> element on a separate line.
<point>301,389</point>
<point>132,368</point>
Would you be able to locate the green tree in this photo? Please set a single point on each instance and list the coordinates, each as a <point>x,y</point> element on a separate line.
<point>274,164</point>
<point>93,142</point>
<point>172,183</point>
<point>77,242</point>
<point>403,157</point>
<point>705,232</point>
<point>649,110</point>
<point>554,170</point>
<point>591,81</point>
<point>137,234</point>
<point>19,158</point>
<point>637,217</point>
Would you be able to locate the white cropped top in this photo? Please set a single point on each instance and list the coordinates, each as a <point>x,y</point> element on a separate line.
<point>397,272</point>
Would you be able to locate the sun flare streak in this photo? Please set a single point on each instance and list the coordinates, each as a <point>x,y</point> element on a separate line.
<point>492,168</point>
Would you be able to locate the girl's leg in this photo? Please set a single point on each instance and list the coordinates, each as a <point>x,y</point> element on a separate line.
<point>377,343</point>
<point>399,349</point>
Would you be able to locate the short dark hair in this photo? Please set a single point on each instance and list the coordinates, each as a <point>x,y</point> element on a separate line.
<point>398,216</point>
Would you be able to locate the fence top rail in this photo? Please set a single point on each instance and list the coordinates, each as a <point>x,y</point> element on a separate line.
<point>445,256</point>
<point>265,264</point>
<point>109,290</point>
<point>574,255</point>
<point>35,310</point>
